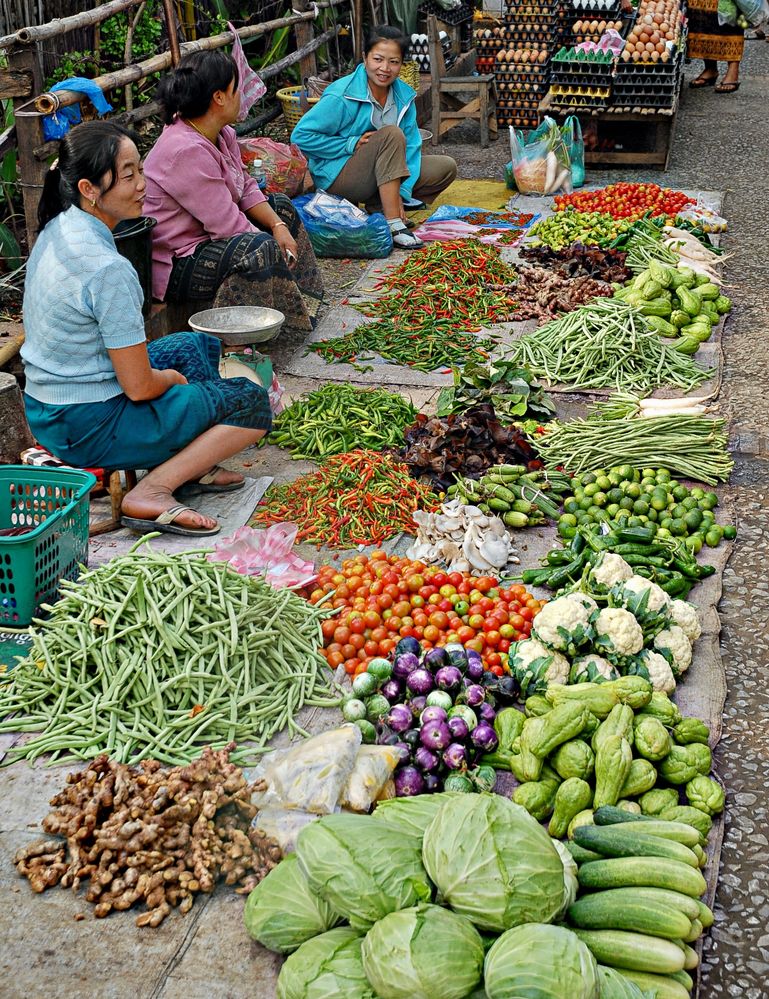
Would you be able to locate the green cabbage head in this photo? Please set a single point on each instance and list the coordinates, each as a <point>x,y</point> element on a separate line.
<point>281,912</point>
<point>421,953</point>
<point>327,967</point>
<point>361,872</point>
<point>412,815</point>
<point>539,961</point>
<point>614,985</point>
<point>493,862</point>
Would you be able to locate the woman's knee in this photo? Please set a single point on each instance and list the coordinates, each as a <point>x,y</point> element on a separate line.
<point>389,135</point>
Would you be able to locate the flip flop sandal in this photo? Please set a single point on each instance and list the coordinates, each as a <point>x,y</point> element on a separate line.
<point>164,523</point>
<point>727,88</point>
<point>208,484</point>
<point>709,81</point>
<point>403,239</point>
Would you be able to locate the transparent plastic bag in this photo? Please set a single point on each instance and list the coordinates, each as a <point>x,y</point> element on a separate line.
<point>310,775</point>
<point>374,766</point>
<point>337,228</point>
<point>755,12</point>
<point>283,824</point>
<point>540,160</point>
<point>284,166</point>
<point>571,130</point>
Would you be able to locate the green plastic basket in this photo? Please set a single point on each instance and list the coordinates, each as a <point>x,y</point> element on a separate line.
<point>53,504</point>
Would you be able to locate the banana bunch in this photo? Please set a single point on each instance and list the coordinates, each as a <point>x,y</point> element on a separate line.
<point>515,494</point>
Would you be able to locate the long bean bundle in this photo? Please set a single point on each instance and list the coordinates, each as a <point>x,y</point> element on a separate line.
<point>155,655</point>
<point>606,344</point>
<point>694,447</point>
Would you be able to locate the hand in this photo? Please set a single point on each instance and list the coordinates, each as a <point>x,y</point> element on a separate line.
<point>173,377</point>
<point>287,244</point>
<point>363,139</point>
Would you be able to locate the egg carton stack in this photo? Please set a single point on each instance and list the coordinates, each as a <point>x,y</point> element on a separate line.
<point>522,64</point>
<point>581,20</point>
<point>581,79</point>
<point>488,42</point>
<point>419,51</point>
<point>455,16</point>
<point>651,66</point>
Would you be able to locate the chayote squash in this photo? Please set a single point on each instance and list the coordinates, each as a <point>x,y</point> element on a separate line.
<point>530,764</point>
<point>591,725</point>
<point>572,797</point>
<point>596,697</point>
<point>612,765</point>
<point>563,723</point>
<point>652,739</point>
<point>574,759</point>
<point>660,706</point>
<point>618,722</point>
<point>691,816</point>
<point>702,757</point>
<point>537,705</point>
<point>625,805</point>
<point>580,819</point>
<point>641,777</point>
<point>679,766</point>
<point>634,691</point>
<point>706,794</point>
<point>690,730</point>
<point>537,797</point>
<point>656,801</point>
<point>508,725</point>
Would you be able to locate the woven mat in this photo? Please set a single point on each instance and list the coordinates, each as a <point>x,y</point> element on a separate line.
<point>491,195</point>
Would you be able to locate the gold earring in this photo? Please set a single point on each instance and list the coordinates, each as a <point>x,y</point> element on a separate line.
<point>93,202</point>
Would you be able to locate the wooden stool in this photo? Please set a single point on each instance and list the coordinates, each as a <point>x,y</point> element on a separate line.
<point>443,89</point>
<point>112,482</point>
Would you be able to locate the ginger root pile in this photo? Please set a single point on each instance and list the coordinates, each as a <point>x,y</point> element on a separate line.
<point>144,834</point>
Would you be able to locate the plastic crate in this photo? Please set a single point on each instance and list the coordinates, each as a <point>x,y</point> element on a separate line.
<point>53,504</point>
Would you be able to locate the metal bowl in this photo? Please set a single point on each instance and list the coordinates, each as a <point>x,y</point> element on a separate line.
<point>425,134</point>
<point>239,324</point>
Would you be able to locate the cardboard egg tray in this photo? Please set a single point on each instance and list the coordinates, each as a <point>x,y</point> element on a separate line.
<point>593,9</point>
<point>455,16</point>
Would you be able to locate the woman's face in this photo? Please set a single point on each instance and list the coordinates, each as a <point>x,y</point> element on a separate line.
<point>383,63</point>
<point>125,198</point>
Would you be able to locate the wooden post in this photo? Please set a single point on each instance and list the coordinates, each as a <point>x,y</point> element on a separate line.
<point>29,135</point>
<point>304,35</point>
<point>173,41</point>
<point>357,17</point>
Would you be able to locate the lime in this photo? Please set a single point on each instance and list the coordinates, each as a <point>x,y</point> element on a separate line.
<point>594,511</point>
<point>600,499</point>
<point>633,489</point>
<point>663,475</point>
<point>588,478</point>
<point>693,543</point>
<point>591,489</point>
<point>641,508</point>
<point>579,494</point>
<point>649,473</point>
<point>714,535</point>
<point>603,482</point>
<point>614,478</point>
<point>634,522</point>
<point>571,505</point>
<point>693,519</point>
<point>612,510</point>
<point>583,518</point>
<point>566,532</point>
<point>680,493</point>
<point>677,527</point>
<point>568,519</point>
<point>627,472</point>
<point>659,500</point>
<point>666,523</point>
<point>708,517</point>
<point>730,532</point>
<point>626,503</point>
<point>653,515</point>
<point>663,532</point>
<point>586,503</point>
<point>678,512</point>
<point>698,492</point>
<point>709,501</point>
<point>690,503</point>
<point>614,495</point>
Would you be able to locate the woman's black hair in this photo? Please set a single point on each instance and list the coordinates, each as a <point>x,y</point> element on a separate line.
<point>187,91</point>
<point>386,33</point>
<point>87,152</point>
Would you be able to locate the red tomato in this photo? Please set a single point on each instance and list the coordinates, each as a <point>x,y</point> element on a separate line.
<point>465,634</point>
<point>493,638</point>
<point>357,626</point>
<point>504,645</point>
<point>439,620</point>
<point>476,621</point>
<point>456,578</point>
<point>416,601</point>
<point>394,624</point>
<point>485,583</point>
<point>431,633</point>
<point>357,641</point>
<point>440,579</point>
<point>493,659</point>
<point>445,606</point>
<point>497,671</point>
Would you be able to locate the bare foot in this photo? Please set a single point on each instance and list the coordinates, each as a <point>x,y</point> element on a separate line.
<point>224,476</point>
<point>148,502</point>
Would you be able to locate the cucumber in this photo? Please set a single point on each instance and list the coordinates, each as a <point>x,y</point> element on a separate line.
<point>699,853</point>
<point>580,854</point>
<point>705,915</point>
<point>691,959</point>
<point>647,872</point>
<point>608,815</point>
<point>689,906</point>
<point>694,933</point>
<point>600,911</point>
<point>634,951</point>
<point>683,978</point>
<point>660,986</point>
<point>623,842</point>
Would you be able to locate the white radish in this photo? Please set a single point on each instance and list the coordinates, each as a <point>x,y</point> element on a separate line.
<point>647,414</point>
<point>684,402</point>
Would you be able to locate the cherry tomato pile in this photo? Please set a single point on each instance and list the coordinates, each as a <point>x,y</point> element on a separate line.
<point>384,598</point>
<point>626,201</point>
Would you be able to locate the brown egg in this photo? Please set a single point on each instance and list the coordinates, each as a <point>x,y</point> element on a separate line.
<point>626,56</point>
<point>643,38</point>
<point>655,56</point>
<point>543,55</point>
<point>655,37</point>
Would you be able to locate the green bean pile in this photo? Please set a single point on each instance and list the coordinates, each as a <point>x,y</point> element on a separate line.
<point>339,418</point>
<point>606,344</point>
<point>694,447</point>
<point>155,656</point>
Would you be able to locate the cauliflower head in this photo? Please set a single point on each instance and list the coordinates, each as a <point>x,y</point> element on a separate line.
<point>564,624</point>
<point>592,669</point>
<point>686,617</point>
<point>674,645</point>
<point>617,634</point>
<point>535,666</point>
<point>608,570</point>
<point>658,668</point>
<point>645,600</point>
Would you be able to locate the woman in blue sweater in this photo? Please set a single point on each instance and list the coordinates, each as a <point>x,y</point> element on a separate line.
<point>97,395</point>
<point>362,139</point>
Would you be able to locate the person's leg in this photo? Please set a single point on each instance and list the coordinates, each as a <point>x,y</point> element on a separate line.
<point>731,78</point>
<point>379,163</point>
<point>435,175</point>
<point>708,76</point>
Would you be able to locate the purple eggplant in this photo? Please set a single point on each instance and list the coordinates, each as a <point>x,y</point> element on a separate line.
<point>434,659</point>
<point>426,759</point>
<point>448,678</point>
<point>457,655</point>
<point>484,737</point>
<point>474,671</point>
<point>487,712</point>
<point>411,737</point>
<point>404,664</point>
<point>417,705</point>
<point>407,645</point>
<point>467,715</point>
<point>475,695</point>
<point>455,756</point>
<point>436,735</point>
<point>408,782</point>
<point>420,681</point>
<point>432,783</point>
<point>399,719</point>
<point>392,690</point>
<point>458,727</point>
<point>507,689</point>
<point>403,749</point>
<point>432,713</point>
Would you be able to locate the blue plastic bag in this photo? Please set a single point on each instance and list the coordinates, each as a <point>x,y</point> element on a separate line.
<point>57,124</point>
<point>339,229</point>
<point>571,130</point>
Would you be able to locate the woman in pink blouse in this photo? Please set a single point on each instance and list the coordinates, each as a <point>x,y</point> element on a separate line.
<point>217,236</point>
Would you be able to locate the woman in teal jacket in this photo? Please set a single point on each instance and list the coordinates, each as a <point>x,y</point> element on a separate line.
<point>363,143</point>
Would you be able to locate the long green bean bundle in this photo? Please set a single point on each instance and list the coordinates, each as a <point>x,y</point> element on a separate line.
<point>694,447</point>
<point>155,655</point>
<point>607,344</point>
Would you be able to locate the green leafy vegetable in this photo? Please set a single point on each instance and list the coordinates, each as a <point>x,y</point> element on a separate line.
<point>542,961</point>
<point>510,388</point>
<point>327,967</point>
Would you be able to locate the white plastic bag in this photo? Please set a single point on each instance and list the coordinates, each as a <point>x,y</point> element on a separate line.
<point>540,160</point>
<point>374,765</point>
<point>283,825</point>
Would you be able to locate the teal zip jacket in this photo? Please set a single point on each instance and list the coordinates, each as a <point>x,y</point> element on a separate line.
<point>328,133</point>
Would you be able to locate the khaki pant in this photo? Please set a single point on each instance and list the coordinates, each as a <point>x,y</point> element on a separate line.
<point>382,159</point>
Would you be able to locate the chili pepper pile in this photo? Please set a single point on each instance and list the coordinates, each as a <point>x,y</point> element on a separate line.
<point>338,418</point>
<point>358,498</point>
<point>437,298</point>
<point>519,219</point>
